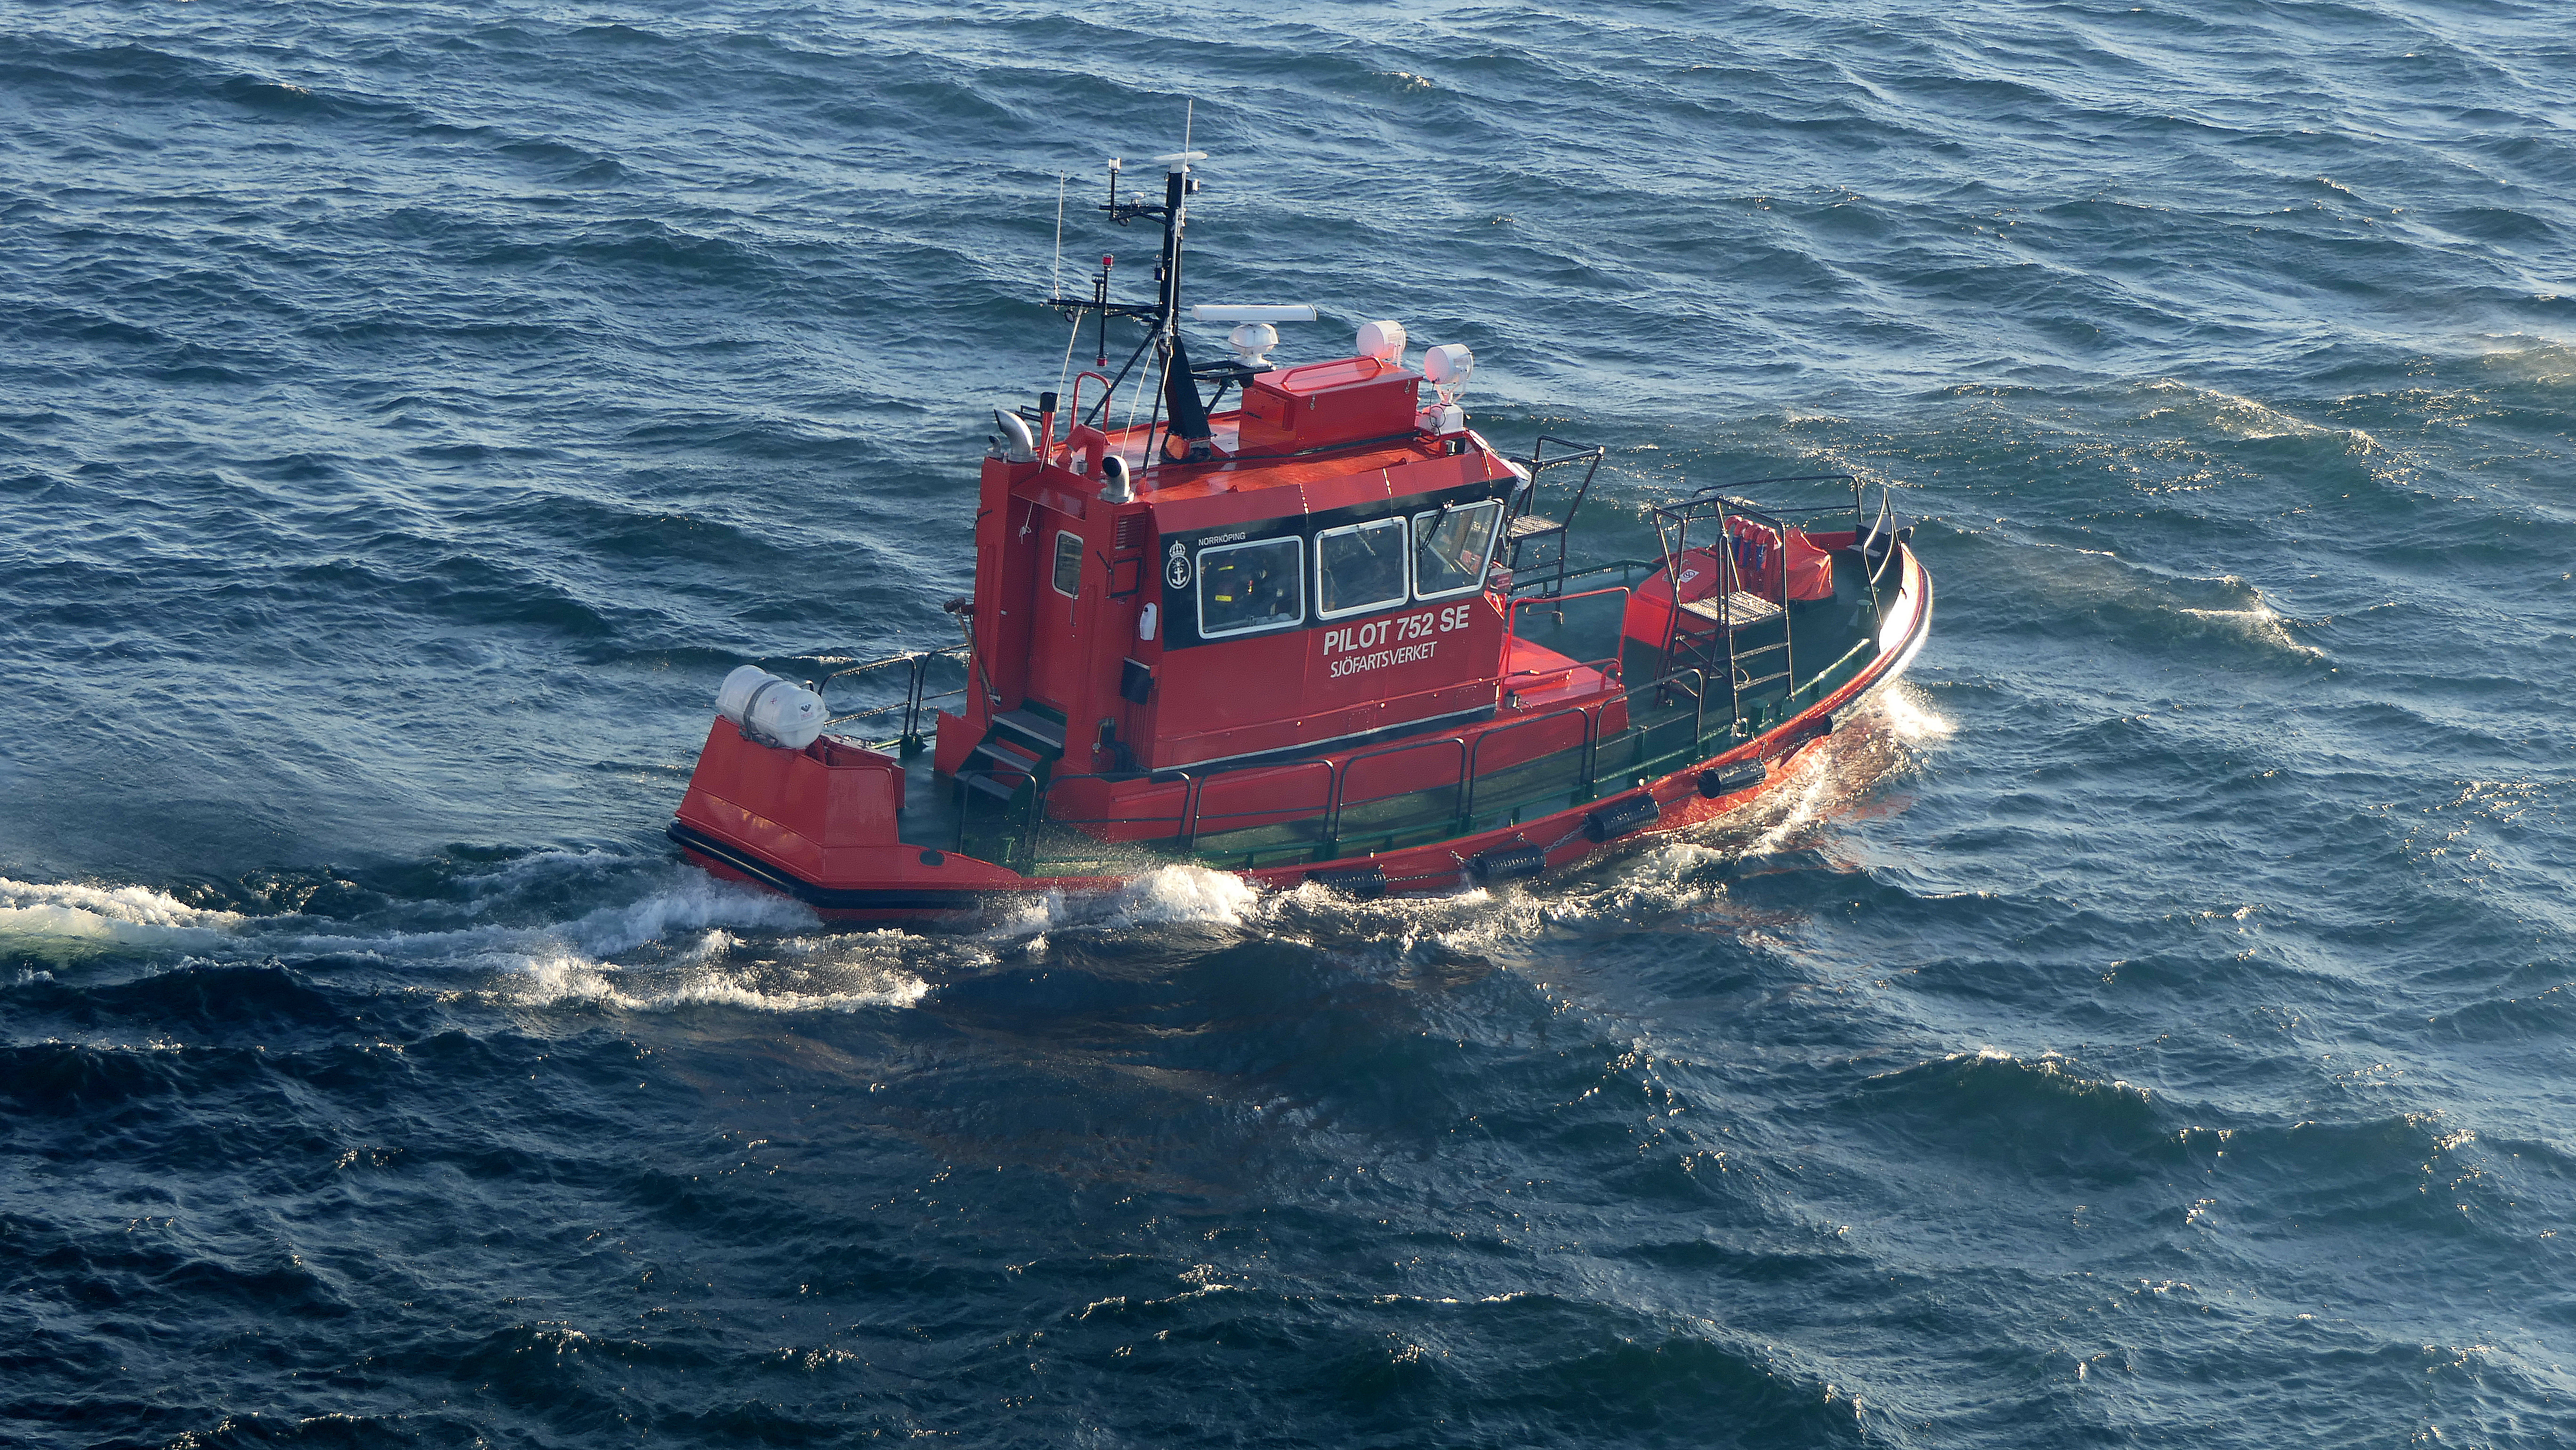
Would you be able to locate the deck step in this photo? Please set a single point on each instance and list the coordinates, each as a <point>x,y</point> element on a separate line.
<point>996,768</point>
<point>1034,733</point>
<point>1003,756</point>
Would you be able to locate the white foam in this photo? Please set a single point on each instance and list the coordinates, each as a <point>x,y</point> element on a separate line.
<point>1479,921</point>
<point>683,900</point>
<point>700,940</point>
<point>1165,896</point>
<point>695,900</point>
<point>2231,414</point>
<point>103,916</point>
<point>2534,357</point>
<point>844,987</point>
<point>2258,622</point>
<point>1906,712</point>
<point>1185,894</point>
<point>1812,787</point>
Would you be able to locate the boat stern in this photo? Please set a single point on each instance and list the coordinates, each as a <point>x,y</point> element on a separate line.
<point>820,824</point>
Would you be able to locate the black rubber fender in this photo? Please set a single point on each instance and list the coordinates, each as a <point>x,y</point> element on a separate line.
<point>1364,882</point>
<point>1621,816</point>
<point>1728,779</point>
<point>1506,863</point>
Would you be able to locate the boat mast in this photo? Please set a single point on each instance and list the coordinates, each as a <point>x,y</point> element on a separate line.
<point>1162,317</point>
<point>1189,424</point>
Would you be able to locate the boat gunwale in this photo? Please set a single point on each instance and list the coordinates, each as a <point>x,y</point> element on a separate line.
<point>1687,808</point>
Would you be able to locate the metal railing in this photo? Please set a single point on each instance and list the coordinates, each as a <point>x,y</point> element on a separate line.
<point>1715,506</point>
<point>1013,826</point>
<point>1661,738</point>
<point>1525,522</point>
<point>916,666</point>
<point>1615,595</point>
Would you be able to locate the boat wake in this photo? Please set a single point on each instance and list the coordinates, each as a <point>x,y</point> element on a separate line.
<point>1843,779</point>
<point>58,921</point>
<point>642,935</point>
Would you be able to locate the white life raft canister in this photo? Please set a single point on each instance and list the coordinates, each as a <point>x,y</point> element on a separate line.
<point>771,710</point>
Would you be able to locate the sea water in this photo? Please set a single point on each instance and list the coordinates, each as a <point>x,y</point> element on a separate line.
<point>2151,1027</point>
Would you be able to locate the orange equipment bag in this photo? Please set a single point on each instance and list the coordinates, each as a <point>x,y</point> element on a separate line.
<point>1759,554</point>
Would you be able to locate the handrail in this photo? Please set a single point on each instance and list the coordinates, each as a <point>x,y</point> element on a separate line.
<point>1556,600</point>
<point>1024,846</point>
<point>1555,603</point>
<point>1182,778</point>
<point>1673,525</point>
<point>1195,821</point>
<point>1646,566</point>
<point>1607,666</point>
<point>1591,717</point>
<point>1886,508</point>
<point>1342,781</point>
<point>1523,501</point>
<point>1581,452</point>
<point>1716,491</point>
<point>1199,799</point>
<point>1192,821</point>
<point>914,697</point>
<point>1073,413</point>
<point>1699,699</point>
<point>909,659</point>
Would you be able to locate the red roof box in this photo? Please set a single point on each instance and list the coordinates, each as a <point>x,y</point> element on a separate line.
<point>1319,405</point>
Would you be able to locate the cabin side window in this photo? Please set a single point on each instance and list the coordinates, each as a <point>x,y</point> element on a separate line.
<point>1068,563</point>
<point>1359,568</point>
<point>1249,587</point>
<point>1452,547</point>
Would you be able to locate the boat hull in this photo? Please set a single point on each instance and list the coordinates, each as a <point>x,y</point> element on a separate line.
<point>888,881</point>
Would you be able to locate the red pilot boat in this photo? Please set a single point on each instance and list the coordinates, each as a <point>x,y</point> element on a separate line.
<point>1302,623</point>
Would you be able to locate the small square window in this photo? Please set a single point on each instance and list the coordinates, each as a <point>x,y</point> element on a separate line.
<point>1249,587</point>
<point>1068,563</point>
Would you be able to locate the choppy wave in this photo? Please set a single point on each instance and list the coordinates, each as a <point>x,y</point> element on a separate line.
<point>665,938</point>
<point>2148,1025</point>
<point>72,917</point>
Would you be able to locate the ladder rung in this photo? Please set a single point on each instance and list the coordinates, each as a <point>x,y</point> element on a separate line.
<point>1732,610</point>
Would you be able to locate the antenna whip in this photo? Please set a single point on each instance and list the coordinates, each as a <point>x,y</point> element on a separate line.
<point>1055,277</point>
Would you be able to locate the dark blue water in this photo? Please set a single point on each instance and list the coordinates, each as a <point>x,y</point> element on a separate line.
<point>2155,1031</point>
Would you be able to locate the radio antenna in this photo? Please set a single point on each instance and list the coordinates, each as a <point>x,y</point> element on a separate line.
<point>1055,276</point>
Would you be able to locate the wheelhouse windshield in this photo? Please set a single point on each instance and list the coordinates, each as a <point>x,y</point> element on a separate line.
<point>1359,568</point>
<point>1450,551</point>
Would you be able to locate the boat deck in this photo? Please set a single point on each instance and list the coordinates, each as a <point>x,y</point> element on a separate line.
<point>1672,723</point>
